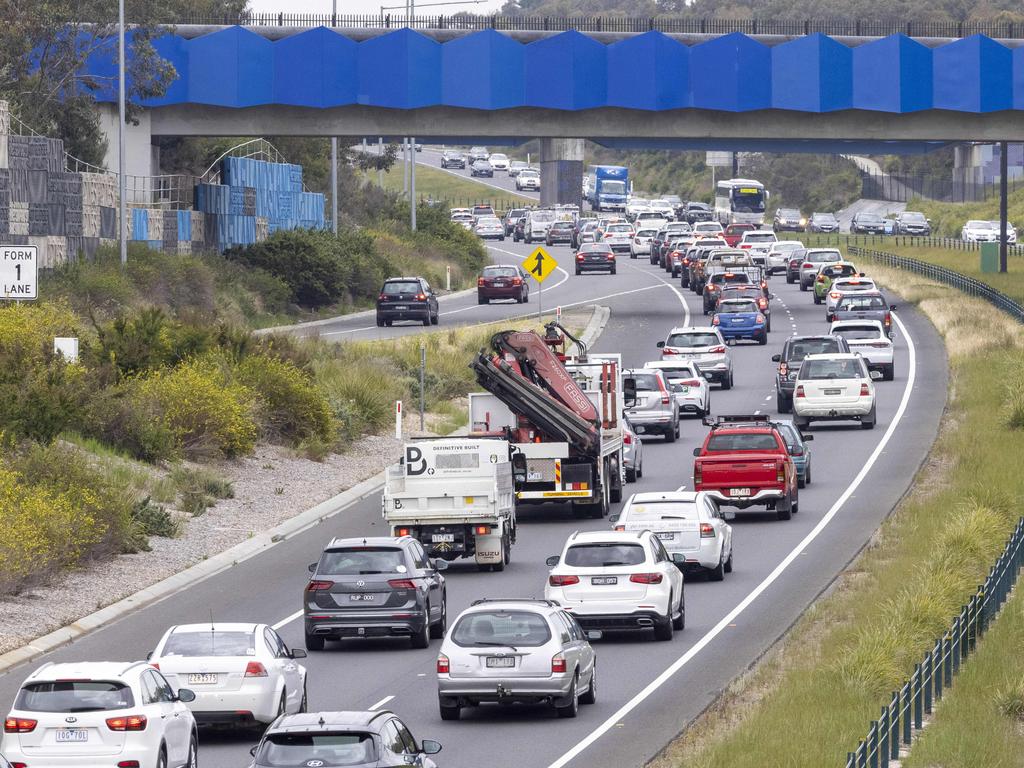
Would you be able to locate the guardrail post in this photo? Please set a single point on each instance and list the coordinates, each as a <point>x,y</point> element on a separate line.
<point>917,682</point>
<point>947,661</point>
<point>851,760</point>
<point>862,754</point>
<point>884,728</point>
<point>894,726</point>
<point>937,664</point>
<point>928,681</point>
<point>906,706</point>
<point>873,744</point>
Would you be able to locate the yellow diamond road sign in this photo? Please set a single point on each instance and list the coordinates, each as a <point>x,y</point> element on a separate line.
<point>540,264</point>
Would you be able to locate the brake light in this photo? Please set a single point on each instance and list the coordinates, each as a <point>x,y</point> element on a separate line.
<point>255,669</point>
<point>686,261</point>
<point>888,319</point>
<point>517,281</point>
<point>421,297</point>
<point>715,320</point>
<point>716,351</point>
<point>762,303</point>
<point>646,578</point>
<point>745,245</point>
<point>403,532</point>
<point>482,530</point>
<point>610,257</point>
<point>127,723</point>
<point>401,584</point>
<point>759,319</point>
<point>480,282</point>
<point>316,586</point>
<point>806,265</point>
<point>19,725</point>
<point>627,439</point>
<point>707,531</point>
<point>834,295</point>
<point>443,664</point>
<point>864,391</point>
<point>690,383</point>
<point>558,663</point>
<point>382,297</point>
<point>579,257</point>
<point>780,472</point>
<point>563,581</point>
<point>783,369</point>
<point>799,391</point>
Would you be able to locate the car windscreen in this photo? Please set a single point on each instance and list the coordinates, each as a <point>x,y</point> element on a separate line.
<point>594,248</point>
<point>860,303</point>
<point>692,339</point>
<point>207,643</point>
<point>698,207</point>
<point>563,225</point>
<point>789,213</point>
<point>823,217</point>
<point>645,382</point>
<point>393,289</point>
<point>853,285</point>
<point>801,348</point>
<point>759,237</point>
<point>740,441</point>
<point>501,272</point>
<point>542,216</point>
<point>74,696</point>
<point>501,628</point>
<point>676,375</point>
<point>646,233</point>
<point>730,278</point>
<point>736,307</point>
<point>613,187</point>
<point>619,228</point>
<point>515,213</point>
<point>601,555</point>
<point>816,370</point>
<point>529,175</point>
<point>353,561</point>
<point>851,332</point>
<point>913,216</point>
<point>660,510</point>
<point>869,218</point>
<point>295,750</point>
<point>823,256</point>
<point>840,270</point>
<point>787,245</point>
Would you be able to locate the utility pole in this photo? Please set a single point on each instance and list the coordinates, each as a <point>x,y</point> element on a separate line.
<point>334,152</point>
<point>121,181</point>
<point>405,166</point>
<point>380,159</point>
<point>412,182</point>
<point>1004,150</point>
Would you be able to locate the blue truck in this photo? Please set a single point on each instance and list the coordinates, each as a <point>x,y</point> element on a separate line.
<point>607,187</point>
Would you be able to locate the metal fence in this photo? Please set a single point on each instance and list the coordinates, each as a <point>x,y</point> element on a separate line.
<point>963,283</point>
<point>907,707</point>
<point>903,188</point>
<point>499,204</point>
<point>910,241</point>
<point>669,24</point>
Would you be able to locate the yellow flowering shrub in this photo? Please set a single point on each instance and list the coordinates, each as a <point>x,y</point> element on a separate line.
<point>290,404</point>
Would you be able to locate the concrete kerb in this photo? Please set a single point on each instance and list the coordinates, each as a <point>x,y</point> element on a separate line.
<point>230,557</point>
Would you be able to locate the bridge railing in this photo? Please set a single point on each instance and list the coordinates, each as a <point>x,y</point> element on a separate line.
<point>905,713</point>
<point>668,24</point>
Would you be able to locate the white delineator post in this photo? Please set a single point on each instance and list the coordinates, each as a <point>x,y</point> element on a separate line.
<point>398,419</point>
<point>448,277</point>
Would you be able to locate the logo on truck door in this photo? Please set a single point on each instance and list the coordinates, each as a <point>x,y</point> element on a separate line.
<point>415,464</point>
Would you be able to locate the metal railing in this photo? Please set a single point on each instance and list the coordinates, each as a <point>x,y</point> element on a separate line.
<point>260,148</point>
<point>907,707</point>
<point>902,188</point>
<point>669,24</point>
<point>910,241</point>
<point>499,204</point>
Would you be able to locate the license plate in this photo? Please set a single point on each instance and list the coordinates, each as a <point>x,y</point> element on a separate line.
<point>362,598</point>
<point>502,662</point>
<point>72,735</point>
<point>739,492</point>
<point>401,306</point>
<point>534,477</point>
<point>833,391</point>
<point>666,536</point>
<point>737,320</point>
<point>202,678</point>
<point>500,285</point>
<point>603,581</point>
<point>443,538</point>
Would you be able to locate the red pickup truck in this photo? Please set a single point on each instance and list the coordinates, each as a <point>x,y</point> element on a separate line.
<point>744,462</point>
<point>734,233</point>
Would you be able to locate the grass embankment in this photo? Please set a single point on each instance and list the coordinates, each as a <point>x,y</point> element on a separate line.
<point>811,699</point>
<point>949,218</point>
<point>438,184</point>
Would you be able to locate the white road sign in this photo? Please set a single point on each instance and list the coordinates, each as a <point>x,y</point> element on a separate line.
<point>19,271</point>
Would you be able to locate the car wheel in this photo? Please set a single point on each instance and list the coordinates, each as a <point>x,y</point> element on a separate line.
<point>807,474</point>
<point>728,563</point>
<point>529,240</point>
<point>314,642</point>
<point>718,572</point>
<point>526,296</point>
<point>801,422</point>
<point>422,638</point>
<point>427,320</point>
<point>800,482</point>
<point>193,753</point>
<point>670,434</point>
<point>161,760</point>
<point>782,404</point>
<point>679,622</point>
<point>613,270</point>
<point>450,713</point>
<point>482,300</point>
<point>802,286</point>
<point>728,382</point>
<point>789,279</point>
<point>763,338</point>
<point>630,475</point>
<point>785,512</point>
<point>663,629</point>
<point>578,271</point>
<point>870,422</point>
<point>573,707</point>
<point>389,323</point>
<point>590,695</point>
<point>438,628</point>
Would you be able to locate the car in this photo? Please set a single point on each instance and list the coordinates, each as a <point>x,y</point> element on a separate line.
<point>827,273</point>
<point>464,220</point>
<point>528,179</point>
<point>721,277</point>
<point>913,223</point>
<point>584,232</point>
<point>636,206</point>
<point>793,263</point>
<point>478,153</point>
<point>508,651</point>
<point>489,227</point>
<point>705,346</point>
<point>500,281</point>
<point>242,673</point>
<point>515,166</point>
<point>833,388</point>
<point>88,713</point>
<point>734,233</point>
<point>632,453</point>
<point>611,580</point>
<point>511,217</point>
<point>750,291</point>
<point>595,257</point>
<point>687,384</point>
<point>407,298</point>
<point>741,319</point>
<point>788,220</point>
<point>559,232</point>
<point>678,264</point>
<point>641,245</point>
<point>499,161</point>
<point>865,305</point>
<point>821,221</point>
<point>868,337</point>
<point>377,586</point>
<point>844,285</point>
<point>866,223</point>
<point>696,211</point>
<point>794,350</point>
<point>663,208</point>
<point>481,209</point>
<point>453,159</point>
<point>618,237</point>
<point>813,258</point>
<point>481,168</point>
<point>758,242</point>
<point>372,739</point>
<point>799,450</point>
<point>688,524</point>
<point>779,254</point>
<point>655,410</point>
<point>538,220</point>
<point>978,231</point>
<point>708,229</point>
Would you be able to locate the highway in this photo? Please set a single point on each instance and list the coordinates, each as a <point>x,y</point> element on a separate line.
<point>649,691</point>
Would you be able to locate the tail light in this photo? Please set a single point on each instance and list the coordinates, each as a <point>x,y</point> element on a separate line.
<point>806,265</point>
<point>716,351</point>
<point>780,472</point>
<point>698,474</point>
<point>763,304</point>
<point>620,527</point>
<point>403,532</point>
<point>864,391</point>
<point>888,319</point>
<point>783,369</point>
<point>563,581</point>
<point>127,723</point>
<point>401,584</point>
<point>517,281</point>
<point>443,664</point>
<point>579,257</point>
<point>558,663</point>
<point>745,246</point>
<point>19,725</point>
<point>715,320</point>
<point>610,257</point>
<point>759,319</point>
<point>686,261</point>
<point>707,531</point>
<point>480,282</point>
<point>482,530</point>
<point>316,586</point>
<point>665,399</point>
<point>255,669</point>
<point>799,391</point>
<point>764,285</point>
<point>690,383</point>
<point>834,295</point>
<point>627,439</point>
<point>421,297</point>
<point>646,578</point>
<point>382,297</point>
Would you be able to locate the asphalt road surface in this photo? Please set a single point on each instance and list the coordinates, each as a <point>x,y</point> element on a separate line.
<point>649,690</point>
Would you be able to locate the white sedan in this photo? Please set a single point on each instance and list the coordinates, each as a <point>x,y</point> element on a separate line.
<point>241,673</point>
<point>641,245</point>
<point>835,387</point>
<point>685,522</point>
<point>844,285</point>
<point>688,385</point>
<point>869,339</point>
<point>636,206</point>
<point>978,231</point>
<point>779,254</point>
<point>499,161</point>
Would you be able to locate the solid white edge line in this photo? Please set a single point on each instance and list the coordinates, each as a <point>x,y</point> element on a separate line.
<point>380,703</point>
<point>287,620</point>
<point>676,291</point>
<point>730,617</point>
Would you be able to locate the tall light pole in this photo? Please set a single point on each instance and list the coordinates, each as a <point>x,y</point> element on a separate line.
<point>412,183</point>
<point>334,153</point>
<point>121,185</point>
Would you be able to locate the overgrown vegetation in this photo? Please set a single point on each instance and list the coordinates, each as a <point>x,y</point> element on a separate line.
<point>949,218</point>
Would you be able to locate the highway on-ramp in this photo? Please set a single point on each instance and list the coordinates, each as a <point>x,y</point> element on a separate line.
<point>648,690</point>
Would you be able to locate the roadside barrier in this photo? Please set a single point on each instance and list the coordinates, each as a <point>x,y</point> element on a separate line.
<point>918,241</point>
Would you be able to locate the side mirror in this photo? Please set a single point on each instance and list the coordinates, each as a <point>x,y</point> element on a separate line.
<point>629,392</point>
<point>892,307</point>
<point>776,358</point>
<point>875,375</point>
<point>440,565</point>
<point>312,567</point>
<point>430,747</point>
<point>149,656</point>
<point>185,695</point>
<point>678,557</point>
<point>594,634</point>
<point>552,561</point>
<point>252,750</point>
<point>660,344</point>
<point>613,518</point>
<point>861,274</point>
<point>297,653</point>
<point>808,438</point>
<point>519,467</point>
<point>708,376</point>
<point>696,451</point>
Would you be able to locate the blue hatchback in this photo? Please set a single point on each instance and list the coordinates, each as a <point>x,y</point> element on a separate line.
<point>796,445</point>
<point>741,319</point>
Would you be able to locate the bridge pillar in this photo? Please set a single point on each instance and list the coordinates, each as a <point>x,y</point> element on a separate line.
<point>561,171</point>
<point>141,158</point>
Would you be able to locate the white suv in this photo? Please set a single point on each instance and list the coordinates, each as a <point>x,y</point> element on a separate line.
<point>93,714</point>
<point>618,580</point>
<point>834,387</point>
<point>868,338</point>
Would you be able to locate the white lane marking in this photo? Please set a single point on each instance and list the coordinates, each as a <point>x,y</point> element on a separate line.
<point>286,620</point>
<point>381,703</point>
<point>731,617</point>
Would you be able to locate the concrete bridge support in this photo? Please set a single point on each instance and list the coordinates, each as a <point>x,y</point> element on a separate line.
<point>561,171</point>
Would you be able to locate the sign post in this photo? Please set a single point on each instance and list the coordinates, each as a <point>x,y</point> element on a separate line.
<point>448,277</point>
<point>540,264</point>
<point>19,272</point>
<point>398,419</point>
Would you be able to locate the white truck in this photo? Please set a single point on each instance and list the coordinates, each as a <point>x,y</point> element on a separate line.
<point>456,497</point>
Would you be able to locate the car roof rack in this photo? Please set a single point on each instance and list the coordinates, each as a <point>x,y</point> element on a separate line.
<point>732,419</point>
<point>534,600</point>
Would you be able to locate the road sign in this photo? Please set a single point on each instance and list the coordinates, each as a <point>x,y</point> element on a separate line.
<point>719,159</point>
<point>540,264</point>
<point>19,271</point>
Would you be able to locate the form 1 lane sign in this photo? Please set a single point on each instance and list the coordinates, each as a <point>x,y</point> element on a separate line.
<point>19,271</point>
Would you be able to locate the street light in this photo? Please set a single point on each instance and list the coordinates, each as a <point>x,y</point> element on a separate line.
<point>410,6</point>
<point>121,185</point>
<point>334,152</point>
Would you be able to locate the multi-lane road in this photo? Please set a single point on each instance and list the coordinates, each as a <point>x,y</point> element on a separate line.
<point>649,690</point>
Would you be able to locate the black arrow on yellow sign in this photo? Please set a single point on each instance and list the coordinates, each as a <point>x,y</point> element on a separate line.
<point>538,267</point>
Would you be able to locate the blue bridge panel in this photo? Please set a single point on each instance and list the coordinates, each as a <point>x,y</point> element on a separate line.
<point>650,71</point>
<point>482,71</point>
<point>1018,78</point>
<point>731,73</point>
<point>893,74</point>
<point>316,68</point>
<point>401,70</point>
<point>973,75</point>
<point>566,71</point>
<point>231,68</point>
<point>812,74</point>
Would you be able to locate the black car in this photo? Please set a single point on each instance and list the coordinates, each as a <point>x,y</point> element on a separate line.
<point>450,159</point>
<point>788,220</point>
<point>375,739</point>
<point>793,262</point>
<point>511,218</point>
<point>867,224</point>
<point>406,298</point>
<point>822,222</point>
<point>698,212</point>
<point>559,232</point>
<point>595,257</point>
<point>481,168</point>
<point>793,352</point>
<point>913,223</point>
<point>381,586</point>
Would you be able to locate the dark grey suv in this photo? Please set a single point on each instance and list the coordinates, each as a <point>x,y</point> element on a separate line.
<point>375,587</point>
<point>794,351</point>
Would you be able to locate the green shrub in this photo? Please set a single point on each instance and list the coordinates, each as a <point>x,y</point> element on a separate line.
<point>118,417</point>
<point>154,520</point>
<point>290,405</point>
<point>361,392</point>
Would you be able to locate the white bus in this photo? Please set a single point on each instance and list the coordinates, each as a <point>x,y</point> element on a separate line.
<point>740,201</point>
